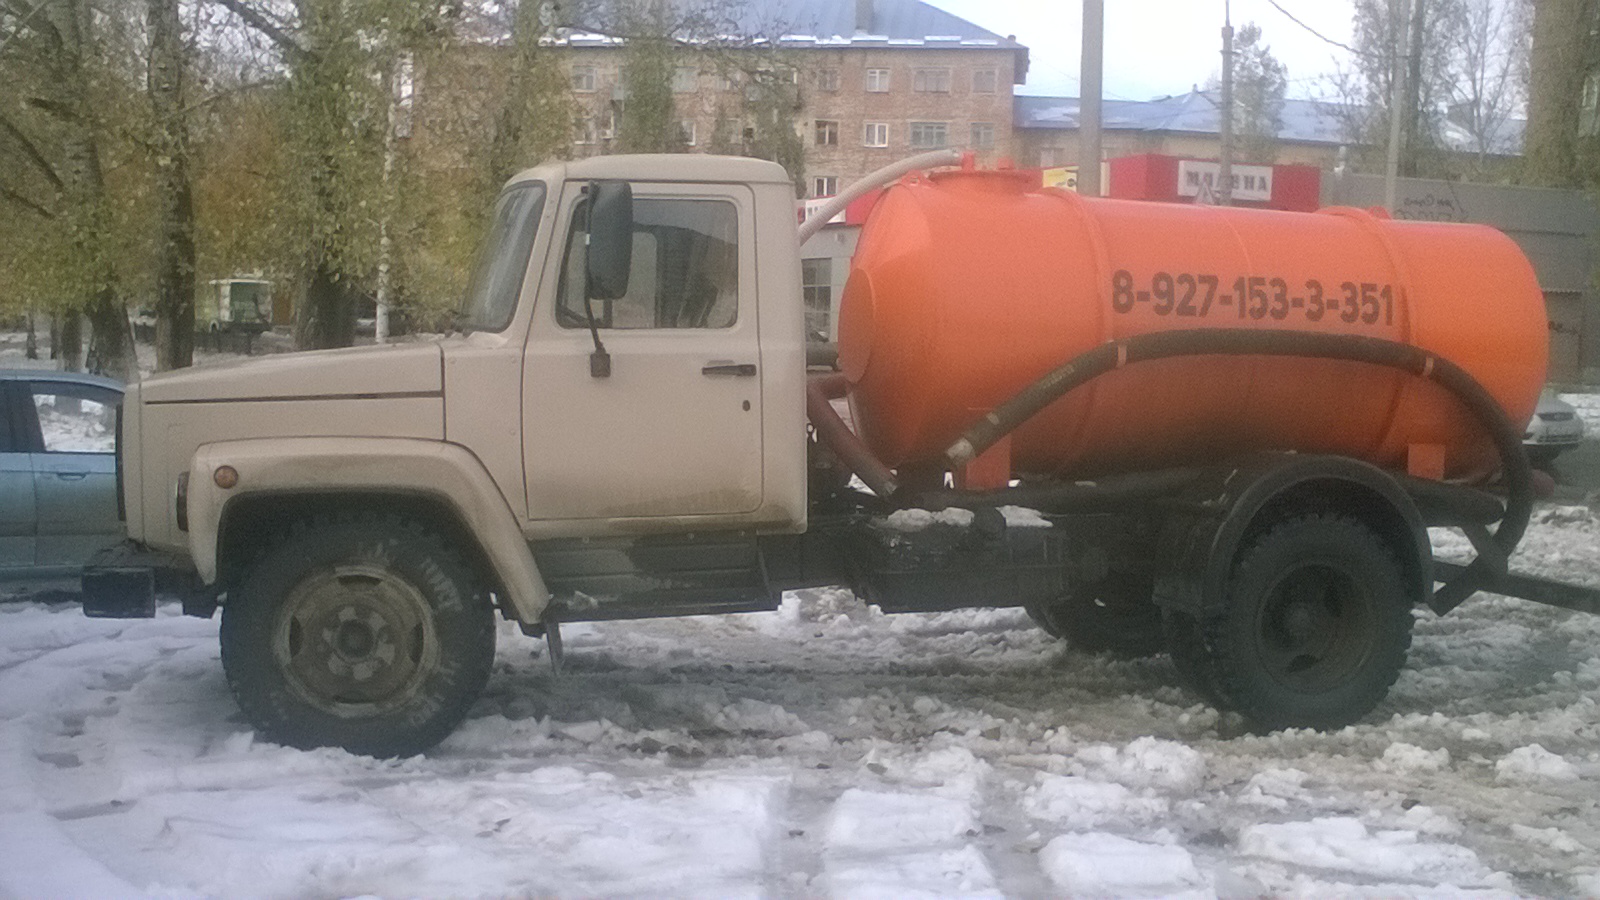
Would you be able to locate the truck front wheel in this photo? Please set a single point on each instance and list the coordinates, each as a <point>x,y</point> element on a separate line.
<point>369,633</point>
<point>1316,631</point>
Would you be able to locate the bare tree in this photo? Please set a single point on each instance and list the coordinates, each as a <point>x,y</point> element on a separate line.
<point>1421,46</point>
<point>1491,45</point>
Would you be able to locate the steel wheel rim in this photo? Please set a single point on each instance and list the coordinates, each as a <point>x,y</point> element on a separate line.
<point>355,640</point>
<point>1315,627</point>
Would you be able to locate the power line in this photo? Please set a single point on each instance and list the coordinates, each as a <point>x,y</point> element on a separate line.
<point>1340,44</point>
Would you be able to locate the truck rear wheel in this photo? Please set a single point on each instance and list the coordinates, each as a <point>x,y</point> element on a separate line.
<point>370,634</point>
<point>1316,631</point>
<point>1114,615</point>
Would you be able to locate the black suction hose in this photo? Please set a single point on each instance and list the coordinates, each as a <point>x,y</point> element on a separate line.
<point>1479,402</point>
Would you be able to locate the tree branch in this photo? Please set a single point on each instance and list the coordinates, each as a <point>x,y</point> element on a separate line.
<point>258,20</point>
<point>31,152</point>
<point>22,25</point>
<point>25,203</point>
<point>221,95</point>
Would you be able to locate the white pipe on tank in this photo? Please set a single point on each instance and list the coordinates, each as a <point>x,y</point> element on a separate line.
<point>877,179</point>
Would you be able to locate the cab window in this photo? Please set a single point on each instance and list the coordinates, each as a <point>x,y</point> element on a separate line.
<point>685,271</point>
<point>497,278</point>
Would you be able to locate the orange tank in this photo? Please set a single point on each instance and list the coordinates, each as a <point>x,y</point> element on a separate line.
<point>969,285</point>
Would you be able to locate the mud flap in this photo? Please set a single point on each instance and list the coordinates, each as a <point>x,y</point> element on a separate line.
<point>119,592</point>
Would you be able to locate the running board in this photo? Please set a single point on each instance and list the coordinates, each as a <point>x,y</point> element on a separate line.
<point>598,579</point>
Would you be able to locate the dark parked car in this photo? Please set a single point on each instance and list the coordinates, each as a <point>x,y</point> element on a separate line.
<point>58,481</point>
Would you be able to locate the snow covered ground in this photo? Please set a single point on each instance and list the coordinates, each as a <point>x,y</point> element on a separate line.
<point>824,750</point>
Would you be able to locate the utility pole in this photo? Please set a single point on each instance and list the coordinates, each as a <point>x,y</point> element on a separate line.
<point>1413,39</point>
<point>1089,74</point>
<point>1225,164</point>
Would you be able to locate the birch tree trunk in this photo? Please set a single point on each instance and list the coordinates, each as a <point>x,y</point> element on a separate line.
<point>111,338</point>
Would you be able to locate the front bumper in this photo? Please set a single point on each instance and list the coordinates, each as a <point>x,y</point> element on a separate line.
<point>123,581</point>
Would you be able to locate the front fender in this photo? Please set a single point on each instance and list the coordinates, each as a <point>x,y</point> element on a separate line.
<point>399,466</point>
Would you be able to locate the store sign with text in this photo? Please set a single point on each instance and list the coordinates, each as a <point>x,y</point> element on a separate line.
<point>1200,177</point>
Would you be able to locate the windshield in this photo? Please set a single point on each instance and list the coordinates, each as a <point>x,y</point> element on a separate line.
<point>497,278</point>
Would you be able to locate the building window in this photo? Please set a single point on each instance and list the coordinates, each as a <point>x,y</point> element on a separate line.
<point>685,80</point>
<point>583,79</point>
<point>929,135</point>
<point>816,283</point>
<point>588,130</point>
<point>875,134</point>
<point>931,80</point>
<point>877,81</point>
<point>828,80</point>
<point>824,185</point>
<point>985,81</point>
<point>983,135</point>
<point>686,132</point>
<point>1589,108</point>
<point>772,83</point>
<point>728,81</point>
<point>827,133</point>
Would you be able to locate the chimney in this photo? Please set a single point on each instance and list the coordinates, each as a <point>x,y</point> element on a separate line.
<point>863,16</point>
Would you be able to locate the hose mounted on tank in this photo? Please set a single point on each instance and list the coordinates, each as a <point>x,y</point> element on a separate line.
<point>1493,549</point>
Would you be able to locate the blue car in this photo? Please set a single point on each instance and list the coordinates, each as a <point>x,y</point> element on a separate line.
<point>58,472</point>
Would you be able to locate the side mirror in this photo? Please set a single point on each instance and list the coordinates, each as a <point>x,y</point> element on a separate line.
<point>610,253</point>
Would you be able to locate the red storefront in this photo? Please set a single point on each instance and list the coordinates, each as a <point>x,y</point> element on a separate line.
<point>1169,179</point>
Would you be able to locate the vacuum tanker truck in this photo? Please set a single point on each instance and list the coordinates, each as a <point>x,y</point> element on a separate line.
<point>1220,434</point>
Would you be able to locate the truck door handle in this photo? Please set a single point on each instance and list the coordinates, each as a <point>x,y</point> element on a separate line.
<point>70,475</point>
<point>739,370</point>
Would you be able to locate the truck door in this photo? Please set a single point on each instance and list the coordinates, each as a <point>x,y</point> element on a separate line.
<point>675,429</point>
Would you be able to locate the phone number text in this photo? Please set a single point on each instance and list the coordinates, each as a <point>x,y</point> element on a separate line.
<point>1253,297</point>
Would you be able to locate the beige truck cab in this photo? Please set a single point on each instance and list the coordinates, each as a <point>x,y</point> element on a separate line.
<point>340,503</point>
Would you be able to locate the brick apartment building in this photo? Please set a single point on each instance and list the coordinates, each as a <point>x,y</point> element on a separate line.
<point>877,80</point>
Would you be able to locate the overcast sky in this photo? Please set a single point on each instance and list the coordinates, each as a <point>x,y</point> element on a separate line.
<point>1157,47</point>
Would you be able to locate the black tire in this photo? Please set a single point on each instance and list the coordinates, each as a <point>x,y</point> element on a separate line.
<point>1542,457</point>
<point>1115,616</point>
<point>1316,631</point>
<point>369,633</point>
